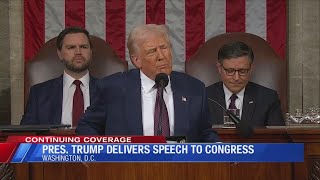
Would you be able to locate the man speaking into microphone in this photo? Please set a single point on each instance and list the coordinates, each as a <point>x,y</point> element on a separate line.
<point>151,99</point>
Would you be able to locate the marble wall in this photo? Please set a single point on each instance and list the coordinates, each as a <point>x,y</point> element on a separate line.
<point>303,57</point>
<point>5,85</point>
<point>303,53</point>
<point>16,59</point>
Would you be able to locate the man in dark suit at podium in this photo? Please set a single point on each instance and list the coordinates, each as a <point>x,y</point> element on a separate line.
<point>127,103</point>
<point>258,105</point>
<point>63,100</point>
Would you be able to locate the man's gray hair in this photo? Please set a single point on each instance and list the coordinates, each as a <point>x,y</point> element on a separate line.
<point>138,35</point>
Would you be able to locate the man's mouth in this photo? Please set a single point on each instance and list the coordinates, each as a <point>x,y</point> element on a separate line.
<point>78,59</point>
<point>236,83</point>
<point>163,66</point>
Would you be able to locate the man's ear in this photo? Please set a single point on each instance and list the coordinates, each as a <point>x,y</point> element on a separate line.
<point>135,61</point>
<point>59,54</point>
<point>251,68</point>
<point>218,66</point>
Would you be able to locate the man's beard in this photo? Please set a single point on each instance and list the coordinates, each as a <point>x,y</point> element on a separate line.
<point>71,67</point>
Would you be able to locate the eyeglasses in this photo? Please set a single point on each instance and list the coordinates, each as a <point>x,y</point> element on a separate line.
<point>232,72</point>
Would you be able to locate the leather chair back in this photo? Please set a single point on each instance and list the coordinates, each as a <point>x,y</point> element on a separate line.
<point>270,70</point>
<point>47,65</point>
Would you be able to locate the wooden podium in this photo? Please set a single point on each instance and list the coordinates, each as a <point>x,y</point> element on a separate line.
<point>222,171</point>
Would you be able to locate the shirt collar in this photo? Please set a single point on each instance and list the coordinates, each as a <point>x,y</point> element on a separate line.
<point>68,80</point>
<point>148,85</point>
<point>228,93</point>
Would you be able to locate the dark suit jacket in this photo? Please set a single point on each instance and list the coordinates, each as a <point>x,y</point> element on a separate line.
<point>45,102</point>
<point>118,109</point>
<point>261,106</point>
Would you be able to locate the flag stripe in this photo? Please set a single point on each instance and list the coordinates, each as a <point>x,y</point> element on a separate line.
<point>195,26</point>
<point>96,17</point>
<point>190,22</point>
<point>155,13</point>
<point>235,15</point>
<point>215,18</point>
<point>75,13</point>
<point>115,25</point>
<point>276,25</point>
<point>175,20</point>
<point>54,18</point>
<point>135,15</point>
<point>256,17</point>
<point>33,27</point>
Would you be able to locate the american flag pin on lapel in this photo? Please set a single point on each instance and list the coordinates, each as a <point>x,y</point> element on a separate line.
<point>184,99</point>
<point>250,102</point>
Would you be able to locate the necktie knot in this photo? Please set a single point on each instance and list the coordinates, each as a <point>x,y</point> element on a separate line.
<point>77,83</point>
<point>232,104</point>
<point>233,97</point>
<point>160,92</point>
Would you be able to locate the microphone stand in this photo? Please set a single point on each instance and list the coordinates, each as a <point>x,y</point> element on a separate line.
<point>245,129</point>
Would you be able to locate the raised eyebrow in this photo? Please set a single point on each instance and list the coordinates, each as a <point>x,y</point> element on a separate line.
<point>163,45</point>
<point>70,45</point>
<point>150,50</point>
<point>84,45</point>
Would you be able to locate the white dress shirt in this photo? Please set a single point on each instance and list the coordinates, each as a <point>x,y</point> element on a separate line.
<point>148,95</point>
<point>68,92</point>
<point>239,100</point>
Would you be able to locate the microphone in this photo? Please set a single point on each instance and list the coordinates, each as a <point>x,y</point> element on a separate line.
<point>245,129</point>
<point>162,81</point>
<point>176,139</point>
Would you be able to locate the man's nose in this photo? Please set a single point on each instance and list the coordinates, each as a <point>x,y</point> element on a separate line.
<point>77,50</point>
<point>160,54</point>
<point>236,75</point>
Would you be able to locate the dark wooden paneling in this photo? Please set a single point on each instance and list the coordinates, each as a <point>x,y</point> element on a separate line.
<point>262,171</point>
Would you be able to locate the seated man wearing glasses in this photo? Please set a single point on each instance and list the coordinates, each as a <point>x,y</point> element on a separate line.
<point>258,105</point>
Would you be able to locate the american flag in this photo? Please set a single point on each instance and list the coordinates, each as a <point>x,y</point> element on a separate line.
<point>190,22</point>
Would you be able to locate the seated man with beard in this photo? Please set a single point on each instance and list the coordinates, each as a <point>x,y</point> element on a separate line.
<point>63,100</point>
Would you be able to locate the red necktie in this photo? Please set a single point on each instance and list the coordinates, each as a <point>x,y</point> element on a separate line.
<point>161,118</point>
<point>77,108</point>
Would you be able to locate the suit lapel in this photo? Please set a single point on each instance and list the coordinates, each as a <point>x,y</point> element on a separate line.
<point>181,103</point>
<point>216,93</point>
<point>133,106</point>
<point>220,96</point>
<point>248,104</point>
<point>57,101</point>
<point>92,88</point>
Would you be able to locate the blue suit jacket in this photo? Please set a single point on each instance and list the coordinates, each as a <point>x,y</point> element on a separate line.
<point>261,106</point>
<point>44,105</point>
<point>118,109</point>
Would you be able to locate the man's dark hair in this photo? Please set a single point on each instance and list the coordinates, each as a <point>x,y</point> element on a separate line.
<point>71,30</point>
<point>234,50</point>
